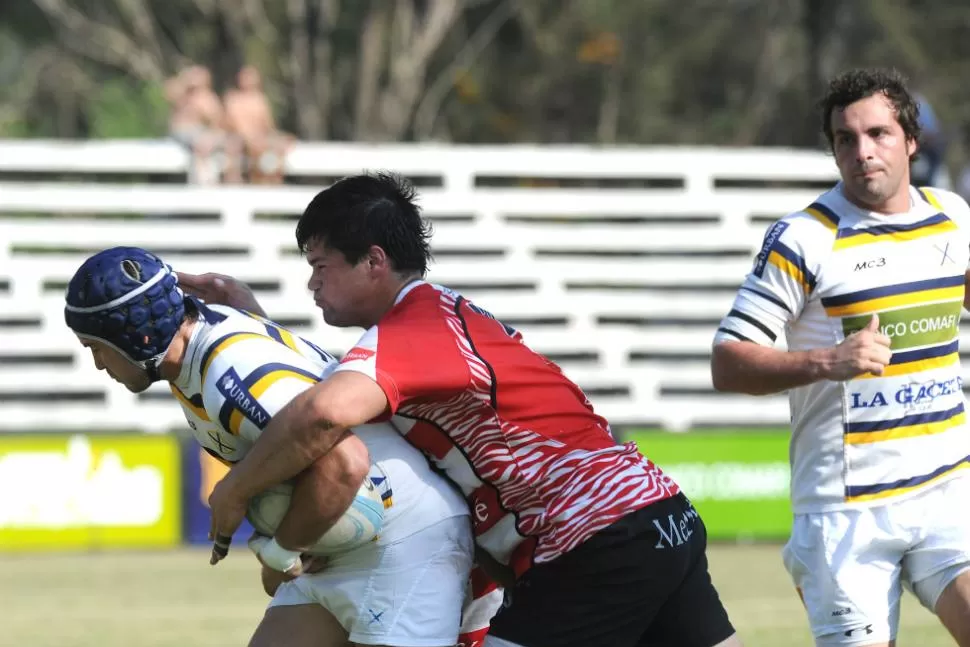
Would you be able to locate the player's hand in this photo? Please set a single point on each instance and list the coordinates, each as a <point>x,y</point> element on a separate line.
<point>313,563</point>
<point>220,289</point>
<point>864,351</point>
<point>227,510</point>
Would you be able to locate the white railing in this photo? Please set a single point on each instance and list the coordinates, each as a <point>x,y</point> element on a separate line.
<point>622,286</point>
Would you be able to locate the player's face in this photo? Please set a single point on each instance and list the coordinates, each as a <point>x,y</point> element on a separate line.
<point>341,290</point>
<point>117,366</point>
<point>872,152</point>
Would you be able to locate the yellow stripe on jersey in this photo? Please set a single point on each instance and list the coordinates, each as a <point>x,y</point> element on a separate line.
<point>822,218</point>
<point>185,402</point>
<point>235,421</point>
<point>911,431</point>
<point>790,269</point>
<point>895,370</point>
<point>268,380</point>
<point>866,238</point>
<point>277,332</point>
<point>288,340</point>
<point>931,198</point>
<point>222,345</point>
<point>896,301</point>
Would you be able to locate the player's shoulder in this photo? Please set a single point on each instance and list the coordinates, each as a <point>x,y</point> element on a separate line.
<point>813,227</point>
<point>417,310</point>
<point>241,345</point>
<point>950,203</point>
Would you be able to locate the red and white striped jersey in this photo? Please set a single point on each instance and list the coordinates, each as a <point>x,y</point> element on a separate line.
<point>540,469</point>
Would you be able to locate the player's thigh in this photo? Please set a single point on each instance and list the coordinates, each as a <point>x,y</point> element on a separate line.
<point>300,625</point>
<point>953,608</point>
<point>414,596</point>
<point>937,567</point>
<point>607,590</point>
<point>693,615</point>
<point>847,567</point>
<point>942,551</point>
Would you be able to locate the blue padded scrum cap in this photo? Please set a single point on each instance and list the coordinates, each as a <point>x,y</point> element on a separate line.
<point>128,298</point>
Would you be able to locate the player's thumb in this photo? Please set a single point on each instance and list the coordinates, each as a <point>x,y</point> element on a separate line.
<point>873,325</point>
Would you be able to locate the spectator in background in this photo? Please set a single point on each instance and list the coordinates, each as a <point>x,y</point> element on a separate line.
<point>197,122</point>
<point>250,119</point>
<point>929,167</point>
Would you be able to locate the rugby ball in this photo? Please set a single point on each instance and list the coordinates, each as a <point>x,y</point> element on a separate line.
<point>359,524</point>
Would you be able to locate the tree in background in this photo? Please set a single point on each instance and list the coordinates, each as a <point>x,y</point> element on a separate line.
<point>711,72</point>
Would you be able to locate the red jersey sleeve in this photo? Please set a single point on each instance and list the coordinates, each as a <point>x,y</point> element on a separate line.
<point>411,353</point>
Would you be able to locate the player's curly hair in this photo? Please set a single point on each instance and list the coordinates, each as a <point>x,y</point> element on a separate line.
<point>854,85</point>
<point>370,209</point>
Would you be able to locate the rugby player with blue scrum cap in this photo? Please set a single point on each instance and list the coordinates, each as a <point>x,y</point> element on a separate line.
<point>405,588</point>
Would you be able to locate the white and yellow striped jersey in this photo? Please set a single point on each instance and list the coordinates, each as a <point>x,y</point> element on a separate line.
<point>240,369</point>
<point>821,274</point>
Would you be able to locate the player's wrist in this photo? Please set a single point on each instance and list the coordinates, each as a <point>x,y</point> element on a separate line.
<point>820,363</point>
<point>274,556</point>
<point>236,485</point>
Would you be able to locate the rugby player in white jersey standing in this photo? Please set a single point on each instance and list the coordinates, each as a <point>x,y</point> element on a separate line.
<point>232,371</point>
<point>868,284</point>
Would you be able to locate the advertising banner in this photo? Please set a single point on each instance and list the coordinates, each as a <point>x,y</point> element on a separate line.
<point>737,479</point>
<point>200,474</point>
<point>89,491</point>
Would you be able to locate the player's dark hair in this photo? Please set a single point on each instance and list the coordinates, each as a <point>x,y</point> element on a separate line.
<point>364,210</point>
<point>858,84</point>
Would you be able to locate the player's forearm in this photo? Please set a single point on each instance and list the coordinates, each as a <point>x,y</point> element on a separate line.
<point>295,437</point>
<point>323,492</point>
<point>746,367</point>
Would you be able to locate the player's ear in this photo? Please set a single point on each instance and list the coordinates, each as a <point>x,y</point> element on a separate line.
<point>911,146</point>
<point>376,257</point>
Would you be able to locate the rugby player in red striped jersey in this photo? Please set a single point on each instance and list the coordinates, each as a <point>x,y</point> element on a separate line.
<point>594,543</point>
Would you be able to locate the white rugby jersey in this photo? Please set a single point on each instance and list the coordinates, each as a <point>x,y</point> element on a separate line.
<point>820,275</point>
<point>240,369</point>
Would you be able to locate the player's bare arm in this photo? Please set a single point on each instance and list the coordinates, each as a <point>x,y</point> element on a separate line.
<point>747,367</point>
<point>322,492</point>
<point>302,431</point>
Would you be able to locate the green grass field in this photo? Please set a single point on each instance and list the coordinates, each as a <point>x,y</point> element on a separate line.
<point>175,599</point>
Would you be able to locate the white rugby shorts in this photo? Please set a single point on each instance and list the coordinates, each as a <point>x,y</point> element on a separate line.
<point>850,565</point>
<point>408,594</point>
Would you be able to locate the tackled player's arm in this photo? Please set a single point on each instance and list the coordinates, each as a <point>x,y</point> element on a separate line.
<point>304,429</point>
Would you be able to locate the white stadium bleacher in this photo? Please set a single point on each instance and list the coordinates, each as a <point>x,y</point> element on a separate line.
<point>616,263</point>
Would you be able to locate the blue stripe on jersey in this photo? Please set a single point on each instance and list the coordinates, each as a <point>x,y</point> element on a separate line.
<point>324,355</point>
<point>734,333</point>
<point>212,347</point>
<point>227,408</point>
<point>860,490</point>
<point>891,290</point>
<point>892,229</point>
<point>274,332</point>
<point>789,255</point>
<point>905,421</point>
<point>272,367</point>
<point>767,297</point>
<point>907,356</point>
